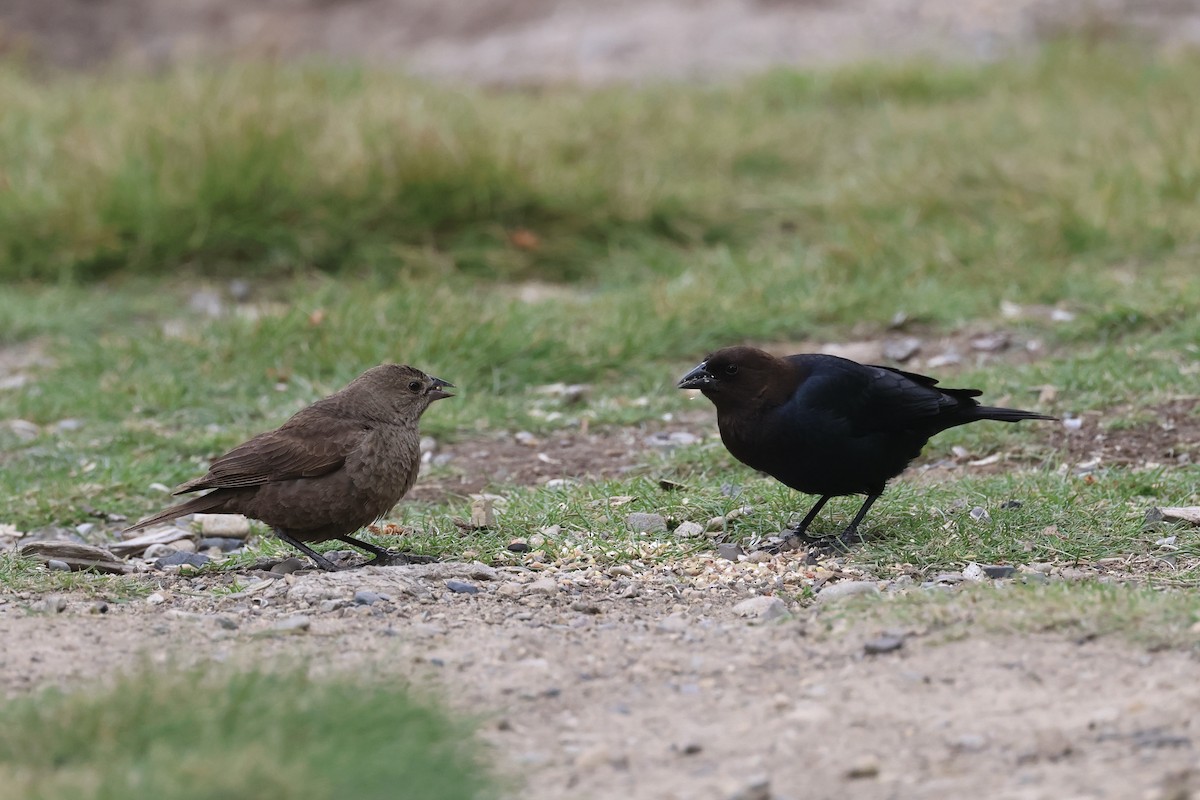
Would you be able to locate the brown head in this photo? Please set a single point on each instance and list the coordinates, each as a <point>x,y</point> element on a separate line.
<point>391,392</point>
<point>743,377</point>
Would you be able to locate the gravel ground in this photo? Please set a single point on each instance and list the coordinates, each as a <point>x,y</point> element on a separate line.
<point>688,680</point>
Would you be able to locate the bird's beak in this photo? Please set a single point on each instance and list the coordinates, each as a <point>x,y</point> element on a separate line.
<point>698,378</point>
<point>434,392</point>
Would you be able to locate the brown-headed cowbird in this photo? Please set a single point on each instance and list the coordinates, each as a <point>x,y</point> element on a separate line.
<point>829,426</point>
<point>334,467</point>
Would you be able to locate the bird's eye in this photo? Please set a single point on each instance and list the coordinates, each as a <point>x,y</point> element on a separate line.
<point>731,369</point>
<point>414,386</point>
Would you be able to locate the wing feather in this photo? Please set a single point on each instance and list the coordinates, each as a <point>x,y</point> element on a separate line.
<point>281,455</point>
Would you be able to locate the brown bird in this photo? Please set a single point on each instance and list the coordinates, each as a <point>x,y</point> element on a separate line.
<point>829,426</point>
<point>334,467</point>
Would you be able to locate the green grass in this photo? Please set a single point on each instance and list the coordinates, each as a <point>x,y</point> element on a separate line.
<point>19,574</point>
<point>374,215</point>
<point>160,734</point>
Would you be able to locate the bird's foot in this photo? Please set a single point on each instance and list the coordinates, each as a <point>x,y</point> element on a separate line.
<point>393,559</point>
<point>816,545</point>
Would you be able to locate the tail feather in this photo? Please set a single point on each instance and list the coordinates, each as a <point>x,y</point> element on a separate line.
<point>211,502</point>
<point>1007,414</point>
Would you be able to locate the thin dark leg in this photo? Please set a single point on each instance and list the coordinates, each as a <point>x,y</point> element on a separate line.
<point>383,556</point>
<point>851,533</point>
<point>798,535</point>
<point>321,561</point>
<point>802,528</point>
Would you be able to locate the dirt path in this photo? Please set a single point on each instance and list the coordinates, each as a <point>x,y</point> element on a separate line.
<point>597,688</point>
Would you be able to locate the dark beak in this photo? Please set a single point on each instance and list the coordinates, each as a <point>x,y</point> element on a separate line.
<point>698,378</point>
<point>434,392</point>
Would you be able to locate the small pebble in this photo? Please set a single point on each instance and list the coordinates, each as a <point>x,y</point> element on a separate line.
<point>996,571</point>
<point>883,644</point>
<point>980,514</point>
<point>866,768</point>
<point>689,530</point>
<point>227,623</point>
<point>364,597</point>
<point>519,546</point>
<point>156,599</point>
<point>98,607</point>
<point>545,586</point>
<point>843,589</point>
<point>462,587</point>
<point>222,543</point>
<point>641,522</point>
<point>233,526</point>
<point>761,608</point>
<point>182,559</point>
<point>756,789</point>
<point>288,566</point>
<point>296,624</point>
<point>58,566</point>
<point>54,604</point>
<point>729,551</point>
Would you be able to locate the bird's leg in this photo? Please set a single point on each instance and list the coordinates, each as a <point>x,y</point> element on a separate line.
<point>801,530</point>
<point>384,556</point>
<point>799,533</point>
<point>850,535</point>
<point>321,561</point>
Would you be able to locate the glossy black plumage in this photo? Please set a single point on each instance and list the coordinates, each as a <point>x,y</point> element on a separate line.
<point>829,426</point>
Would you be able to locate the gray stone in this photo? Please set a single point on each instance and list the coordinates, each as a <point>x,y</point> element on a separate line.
<point>689,530</point>
<point>843,589</point>
<point>519,546</point>
<point>762,607</point>
<point>53,604</point>
<point>365,597</point>
<point>223,543</point>
<point>729,551</point>
<point>901,349</point>
<point>756,789</point>
<point>195,560</point>
<point>886,643</point>
<point>288,566</point>
<point>157,551</point>
<point>547,586</point>
<point>296,624</point>
<point>641,522</point>
<point>58,566</point>
<point>462,587</point>
<point>232,526</point>
<point>996,571</point>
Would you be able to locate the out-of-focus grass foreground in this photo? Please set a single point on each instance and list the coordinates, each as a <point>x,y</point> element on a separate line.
<point>187,258</point>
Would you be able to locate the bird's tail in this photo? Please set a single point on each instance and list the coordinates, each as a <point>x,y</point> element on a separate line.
<point>211,502</point>
<point>1007,414</point>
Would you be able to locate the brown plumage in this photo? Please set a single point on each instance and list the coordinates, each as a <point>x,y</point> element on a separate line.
<point>829,426</point>
<point>334,467</point>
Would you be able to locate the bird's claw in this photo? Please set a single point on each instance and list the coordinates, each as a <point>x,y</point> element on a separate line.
<point>392,559</point>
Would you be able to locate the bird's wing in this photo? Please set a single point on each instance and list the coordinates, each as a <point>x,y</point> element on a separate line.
<point>873,398</point>
<point>281,455</point>
<point>898,398</point>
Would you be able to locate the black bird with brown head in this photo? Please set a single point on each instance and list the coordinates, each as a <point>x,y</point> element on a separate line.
<point>829,426</point>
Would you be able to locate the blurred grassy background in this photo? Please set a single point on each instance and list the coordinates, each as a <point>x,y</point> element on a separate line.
<point>507,239</point>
